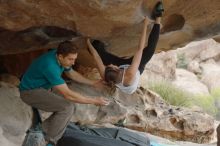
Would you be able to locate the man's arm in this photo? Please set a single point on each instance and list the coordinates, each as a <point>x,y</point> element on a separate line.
<point>74,75</point>
<point>97,58</point>
<point>78,98</point>
<point>133,68</point>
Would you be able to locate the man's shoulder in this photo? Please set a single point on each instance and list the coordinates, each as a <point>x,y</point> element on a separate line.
<point>50,53</point>
<point>48,57</point>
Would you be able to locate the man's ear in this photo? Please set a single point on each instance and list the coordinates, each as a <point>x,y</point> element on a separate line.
<point>60,56</point>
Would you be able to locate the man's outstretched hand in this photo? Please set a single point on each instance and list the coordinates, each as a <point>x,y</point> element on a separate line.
<point>100,101</point>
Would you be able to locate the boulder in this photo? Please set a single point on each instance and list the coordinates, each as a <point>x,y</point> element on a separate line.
<point>162,66</point>
<point>31,25</point>
<point>211,75</point>
<point>187,81</point>
<point>15,116</point>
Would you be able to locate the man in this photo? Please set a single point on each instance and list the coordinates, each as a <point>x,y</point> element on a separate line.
<point>45,73</point>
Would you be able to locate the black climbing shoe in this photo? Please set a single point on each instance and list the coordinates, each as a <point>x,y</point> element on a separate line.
<point>158,10</point>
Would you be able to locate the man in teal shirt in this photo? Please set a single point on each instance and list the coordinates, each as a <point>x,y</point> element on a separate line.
<point>45,73</point>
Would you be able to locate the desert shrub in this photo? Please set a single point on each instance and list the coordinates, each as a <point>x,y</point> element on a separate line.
<point>181,61</point>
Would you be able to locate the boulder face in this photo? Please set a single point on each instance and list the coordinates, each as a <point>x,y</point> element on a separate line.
<point>15,116</point>
<point>28,24</point>
<point>142,111</point>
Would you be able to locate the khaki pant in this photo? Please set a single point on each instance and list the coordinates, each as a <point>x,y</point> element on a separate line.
<point>62,109</point>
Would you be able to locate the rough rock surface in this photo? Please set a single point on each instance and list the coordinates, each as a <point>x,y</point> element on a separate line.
<point>143,111</point>
<point>211,75</point>
<point>189,82</point>
<point>15,116</point>
<point>29,24</point>
<point>146,111</point>
<point>162,66</point>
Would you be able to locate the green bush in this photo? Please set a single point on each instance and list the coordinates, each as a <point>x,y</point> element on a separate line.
<point>206,102</point>
<point>216,94</point>
<point>171,94</point>
<point>209,103</point>
<point>177,97</point>
<point>181,61</point>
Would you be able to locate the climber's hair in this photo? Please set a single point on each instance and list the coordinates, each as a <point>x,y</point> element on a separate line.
<point>112,75</point>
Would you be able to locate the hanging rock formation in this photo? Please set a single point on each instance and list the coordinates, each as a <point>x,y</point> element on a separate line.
<point>29,24</point>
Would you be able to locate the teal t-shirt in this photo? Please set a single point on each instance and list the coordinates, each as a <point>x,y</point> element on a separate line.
<point>45,72</point>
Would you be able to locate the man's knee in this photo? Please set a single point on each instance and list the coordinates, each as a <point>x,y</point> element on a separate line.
<point>68,107</point>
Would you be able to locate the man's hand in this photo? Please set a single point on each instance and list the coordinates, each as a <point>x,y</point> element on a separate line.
<point>101,101</point>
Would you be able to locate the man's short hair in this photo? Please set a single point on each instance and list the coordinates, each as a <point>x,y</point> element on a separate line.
<point>66,48</point>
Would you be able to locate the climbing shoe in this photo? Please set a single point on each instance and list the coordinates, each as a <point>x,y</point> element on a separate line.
<point>158,10</point>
